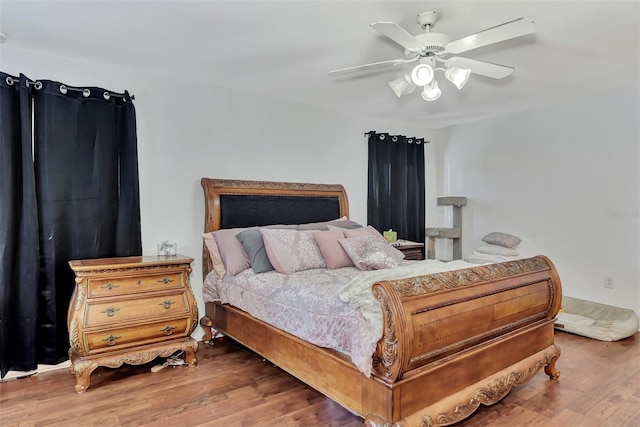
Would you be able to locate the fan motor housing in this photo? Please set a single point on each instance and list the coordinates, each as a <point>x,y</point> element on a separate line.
<point>433,42</point>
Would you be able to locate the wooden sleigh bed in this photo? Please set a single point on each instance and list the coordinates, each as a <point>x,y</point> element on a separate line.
<point>451,341</point>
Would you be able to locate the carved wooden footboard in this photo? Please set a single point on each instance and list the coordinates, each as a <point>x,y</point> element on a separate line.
<point>473,333</point>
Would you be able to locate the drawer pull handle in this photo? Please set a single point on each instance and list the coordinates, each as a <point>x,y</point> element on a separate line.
<point>166,303</point>
<point>110,286</point>
<point>138,282</point>
<point>110,311</point>
<point>111,339</point>
<point>165,280</point>
<point>168,330</point>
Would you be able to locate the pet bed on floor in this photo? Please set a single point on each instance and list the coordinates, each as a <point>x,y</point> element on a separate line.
<point>594,320</point>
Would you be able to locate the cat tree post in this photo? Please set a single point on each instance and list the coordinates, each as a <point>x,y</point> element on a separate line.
<point>454,233</point>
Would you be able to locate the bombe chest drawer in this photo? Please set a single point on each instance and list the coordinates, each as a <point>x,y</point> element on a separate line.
<point>130,310</point>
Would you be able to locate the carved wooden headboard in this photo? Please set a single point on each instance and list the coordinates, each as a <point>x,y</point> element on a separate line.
<point>239,204</point>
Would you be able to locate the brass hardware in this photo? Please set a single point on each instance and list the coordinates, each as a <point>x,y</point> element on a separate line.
<point>111,311</point>
<point>165,280</point>
<point>168,330</point>
<point>111,339</point>
<point>110,286</point>
<point>166,303</point>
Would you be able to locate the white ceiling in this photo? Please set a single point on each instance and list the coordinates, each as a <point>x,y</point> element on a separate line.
<point>285,49</point>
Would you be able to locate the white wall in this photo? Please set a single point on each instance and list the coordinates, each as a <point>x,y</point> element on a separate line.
<point>193,129</point>
<point>566,180</point>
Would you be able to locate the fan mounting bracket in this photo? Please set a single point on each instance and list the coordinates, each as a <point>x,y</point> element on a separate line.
<point>428,19</point>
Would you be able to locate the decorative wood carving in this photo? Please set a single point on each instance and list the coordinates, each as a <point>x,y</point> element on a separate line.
<point>385,359</point>
<point>455,279</point>
<point>492,393</point>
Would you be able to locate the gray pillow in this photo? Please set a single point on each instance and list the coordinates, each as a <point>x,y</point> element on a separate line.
<point>253,245</point>
<point>501,239</point>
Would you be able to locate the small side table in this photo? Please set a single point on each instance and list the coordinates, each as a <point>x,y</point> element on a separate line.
<point>411,250</point>
<point>130,310</point>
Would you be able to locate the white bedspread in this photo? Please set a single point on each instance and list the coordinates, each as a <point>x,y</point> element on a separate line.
<point>329,308</point>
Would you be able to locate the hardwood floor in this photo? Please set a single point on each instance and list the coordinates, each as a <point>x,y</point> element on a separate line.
<point>599,386</point>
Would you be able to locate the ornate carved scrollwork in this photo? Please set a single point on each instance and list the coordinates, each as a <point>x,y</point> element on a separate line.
<point>74,342</point>
<point>493,392</point>
<point>385,358</point>
<point>469,276</point>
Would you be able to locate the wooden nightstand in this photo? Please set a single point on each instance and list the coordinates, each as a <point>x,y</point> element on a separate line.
<point>130,310</point>
<point>411,250</point>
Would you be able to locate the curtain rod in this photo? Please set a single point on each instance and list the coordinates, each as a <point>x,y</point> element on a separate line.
<point>64,89</point>
<point>426,141</point>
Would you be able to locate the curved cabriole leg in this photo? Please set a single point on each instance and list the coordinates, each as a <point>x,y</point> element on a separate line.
<point>551,369</point>
<point>207,324</point>
<point>190,352</point>
<point>82,370</point>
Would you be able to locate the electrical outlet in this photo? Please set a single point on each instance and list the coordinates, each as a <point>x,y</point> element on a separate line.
<point>608,282</point>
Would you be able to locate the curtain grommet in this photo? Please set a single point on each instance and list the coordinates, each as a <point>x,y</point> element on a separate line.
<point>106,95</point>
<point>38,85</point>
<point>394,139</point>
<point>86,93</point>
<point>9,81</point>
<point>381,137</point>
<point>63,89</point>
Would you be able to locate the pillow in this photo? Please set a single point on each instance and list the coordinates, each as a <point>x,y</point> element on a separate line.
<point>214,254</point>
<point>253,245</point>
<point>501,239</point>
<point>331,250</point>
<point>369,253</point>
<point>497,250</point>
<point>292,250</point>
<point>342,222</point>
<point>362,232</point>
<point>234,258</point>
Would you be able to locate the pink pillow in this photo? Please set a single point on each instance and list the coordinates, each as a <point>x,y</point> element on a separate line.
<point>292,250</point>
<point>214,254</point>
<point>331,250</point>
<point>233,256</point>
<point>369,253</point>
<point>361,232</point>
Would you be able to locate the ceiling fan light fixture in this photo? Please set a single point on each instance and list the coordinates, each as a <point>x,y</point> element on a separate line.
<point>431,92</point>
<point>457,76</point>
<point>402,85</point>
<point>422,74</point>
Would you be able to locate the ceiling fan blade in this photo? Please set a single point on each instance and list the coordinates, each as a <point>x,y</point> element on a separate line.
<point>483,68</point>
<point>399,35</point>
<point>506,31</point>
<point>372,65</point>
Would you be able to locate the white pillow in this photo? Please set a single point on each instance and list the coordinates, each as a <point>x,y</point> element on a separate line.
<point>497,250</point>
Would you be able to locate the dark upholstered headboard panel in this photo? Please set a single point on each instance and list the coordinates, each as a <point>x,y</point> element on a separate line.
<point>236,204</point>
<point>258,210</point>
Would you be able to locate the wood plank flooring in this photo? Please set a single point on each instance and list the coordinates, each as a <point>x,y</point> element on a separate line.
<point>599,386</point>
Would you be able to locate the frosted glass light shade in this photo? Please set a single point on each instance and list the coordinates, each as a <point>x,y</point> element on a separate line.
<point>402,86</point>
<point>431,92</point>
<point>457,76</point>
<point>422,74</point>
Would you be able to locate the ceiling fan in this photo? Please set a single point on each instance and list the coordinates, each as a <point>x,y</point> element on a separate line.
<point>432,49</point>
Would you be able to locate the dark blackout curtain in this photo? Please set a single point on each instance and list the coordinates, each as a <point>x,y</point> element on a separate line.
<point>87,203</point>
<point>19,265</point>
<point>396,185</point>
